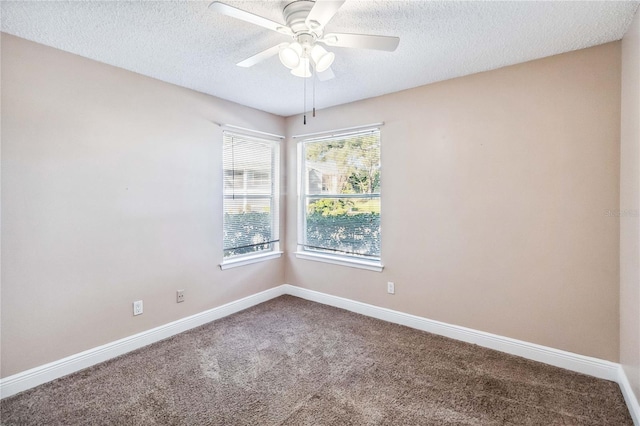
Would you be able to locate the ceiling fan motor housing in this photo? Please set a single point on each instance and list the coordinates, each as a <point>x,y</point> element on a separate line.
<point>295,15</point>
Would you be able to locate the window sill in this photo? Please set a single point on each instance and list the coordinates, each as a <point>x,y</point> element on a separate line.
<point>248,260</point>
<point>341,260</point>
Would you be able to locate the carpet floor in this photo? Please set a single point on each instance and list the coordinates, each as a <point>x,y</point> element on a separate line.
<point>293,362</point>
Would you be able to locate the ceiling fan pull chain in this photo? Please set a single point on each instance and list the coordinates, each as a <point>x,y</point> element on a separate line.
<point>314,91</point>
<point>304,103</point>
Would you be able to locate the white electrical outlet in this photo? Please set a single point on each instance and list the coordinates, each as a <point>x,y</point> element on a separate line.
<point>137,307</point>
<point>391,288</point>
<point>180,296</point>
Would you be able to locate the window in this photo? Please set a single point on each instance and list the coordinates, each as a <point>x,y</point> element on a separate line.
<point>251,177</point>
<point>340,197</point>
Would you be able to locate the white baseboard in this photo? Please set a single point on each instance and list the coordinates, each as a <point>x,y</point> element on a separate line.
<point>556,357</point>
<point>48,372</point>
<point>629,396</point>
<point>570,361</point>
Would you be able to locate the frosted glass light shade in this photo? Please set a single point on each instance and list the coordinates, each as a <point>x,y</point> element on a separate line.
<point>290,55</point>
<point>302,70</point>
<point>321,58</point>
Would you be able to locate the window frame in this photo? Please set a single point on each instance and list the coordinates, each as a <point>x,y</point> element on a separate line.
<point>337,258</point>
<point>274,251</point>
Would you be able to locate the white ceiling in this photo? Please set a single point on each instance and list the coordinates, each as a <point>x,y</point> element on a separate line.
<point>184,43</point>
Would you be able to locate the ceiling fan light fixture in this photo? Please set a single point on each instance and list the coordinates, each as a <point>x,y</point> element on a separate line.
<point>302,70</point>
<point>290,55</point>
<point>321,58</point>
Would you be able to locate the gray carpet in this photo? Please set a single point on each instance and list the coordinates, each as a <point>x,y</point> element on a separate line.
<point>293,362</point>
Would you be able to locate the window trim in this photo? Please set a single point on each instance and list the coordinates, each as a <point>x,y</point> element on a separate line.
<point>303,252</point>
<point>274,251</point>
<point>340,259</point>
<point>248,259</point>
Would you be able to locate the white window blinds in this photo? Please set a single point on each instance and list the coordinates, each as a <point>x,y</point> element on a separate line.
<point>340,194</point>
<point>251,176</point>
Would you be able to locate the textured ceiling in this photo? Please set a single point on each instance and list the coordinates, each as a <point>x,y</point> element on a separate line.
<point>184,43</point>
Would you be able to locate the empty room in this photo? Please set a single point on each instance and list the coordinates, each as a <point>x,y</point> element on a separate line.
<point>329,212</point>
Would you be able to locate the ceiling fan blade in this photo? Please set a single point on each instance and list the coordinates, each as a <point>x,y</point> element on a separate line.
<point>322,12</point>
<point>259,57</point>
<point>242,15</point>
<point>361,41</point>
<point>326,75</point>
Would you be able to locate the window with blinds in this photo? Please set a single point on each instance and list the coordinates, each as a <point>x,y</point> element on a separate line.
<point>340,195</point>
<point>251,171</point>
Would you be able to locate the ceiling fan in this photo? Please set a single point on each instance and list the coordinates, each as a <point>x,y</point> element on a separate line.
<point>305,24</point>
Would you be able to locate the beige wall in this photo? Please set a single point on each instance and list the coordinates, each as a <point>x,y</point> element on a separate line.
<point>111,192</point>
<point>495,191</point>
<point>630,207</point>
